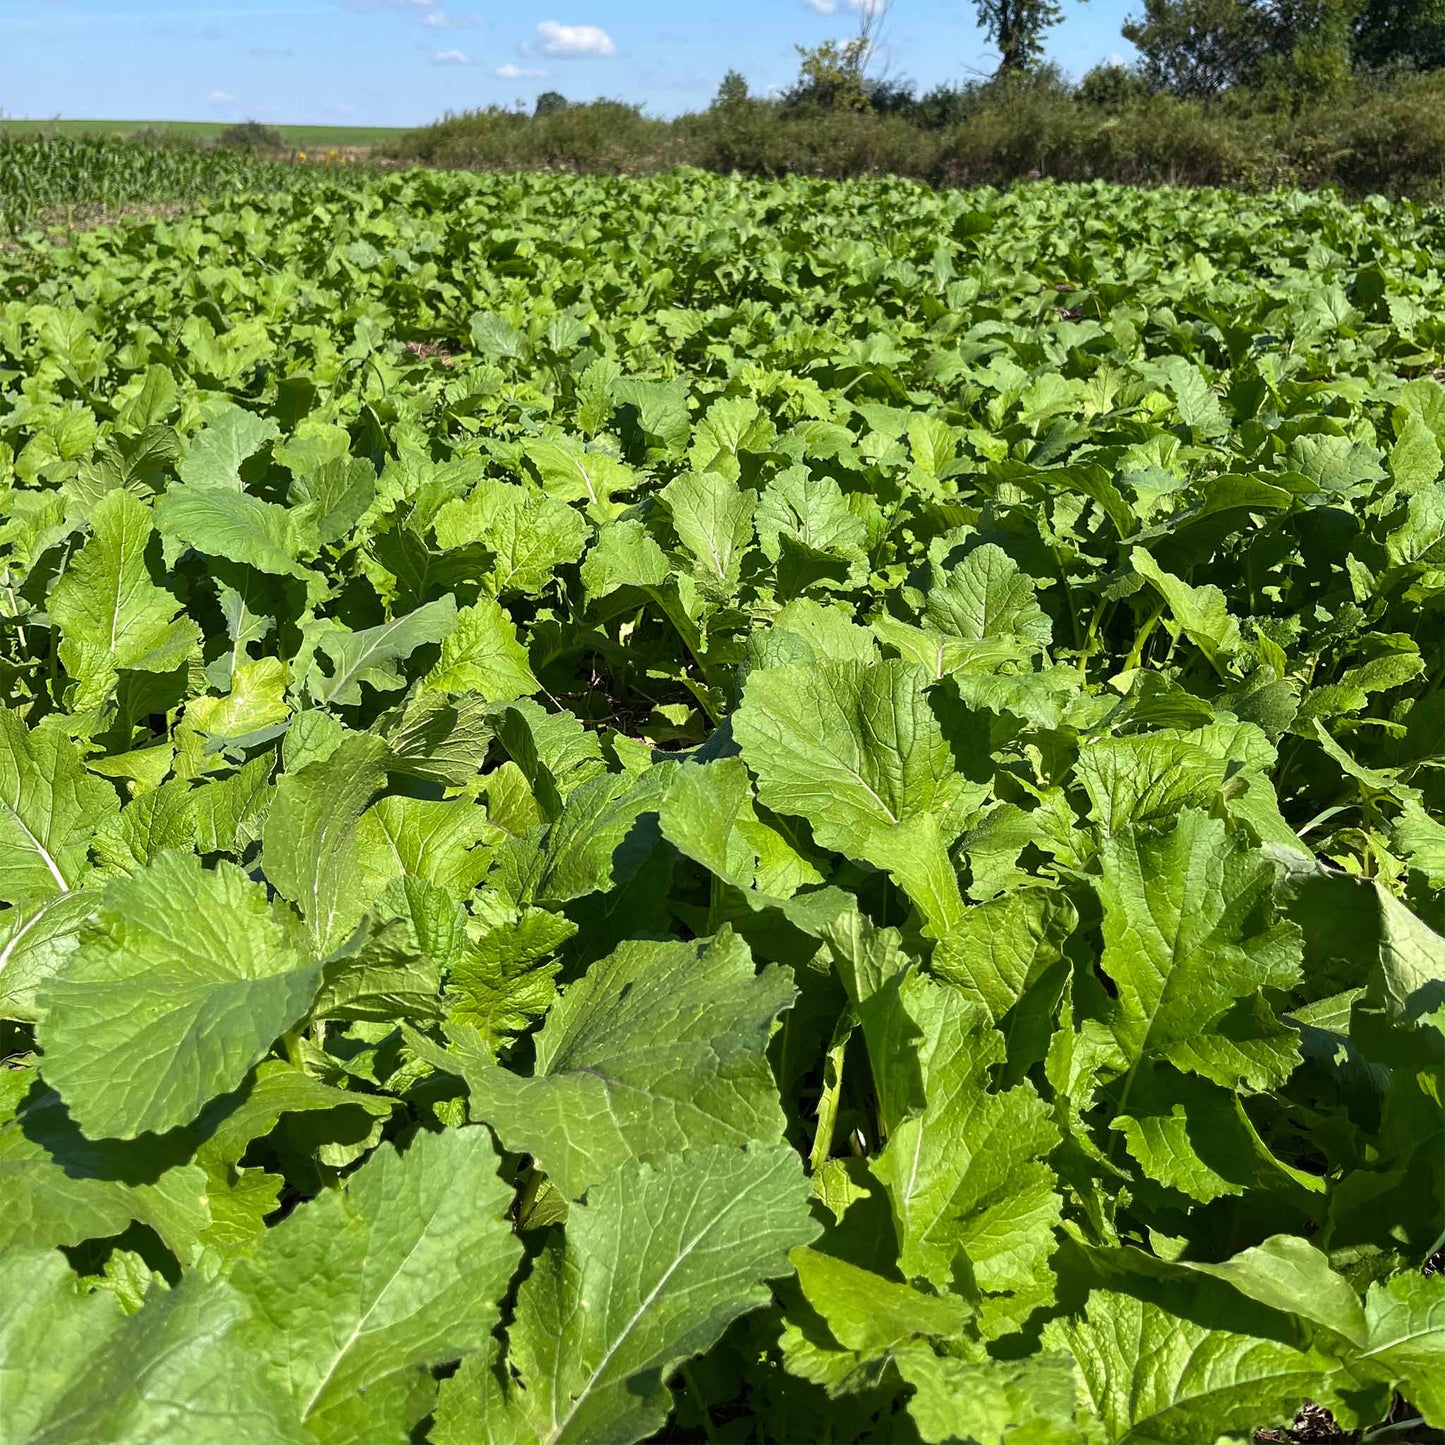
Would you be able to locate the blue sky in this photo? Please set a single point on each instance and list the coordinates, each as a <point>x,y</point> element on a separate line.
<point>404,62</point>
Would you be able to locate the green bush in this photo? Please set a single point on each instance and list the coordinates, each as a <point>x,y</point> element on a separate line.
<point>251,135</point>
<point>1386,134</point>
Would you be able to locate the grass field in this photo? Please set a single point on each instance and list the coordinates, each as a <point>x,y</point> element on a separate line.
<point>202,130</point>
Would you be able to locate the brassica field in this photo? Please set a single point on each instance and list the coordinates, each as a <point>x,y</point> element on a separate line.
<point>705,810</point>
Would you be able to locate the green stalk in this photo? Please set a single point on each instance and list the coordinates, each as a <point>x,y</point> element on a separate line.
<point>832,1093</point>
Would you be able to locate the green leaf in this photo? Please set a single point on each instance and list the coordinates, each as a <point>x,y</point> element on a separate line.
<point>48,1333</point>
<point>359,1294</point>
<point>713,518</point>
<point>184,983</point>
<point>220,522</point>
<point>1156,1379</point>
<point>173,1375</point>
<point>482,655</point>
<point>1201,612</point>
<point>965,1175</point>
<point>1415,457</point>
<point>106,599</point>
<point>530,535</point>
<point>986,596</point>
<point>338,492</point>
<point>49,809</point>
<point>370,656</point>
<point>1406,1343</point>
<point>216,454</point>
<point>34,942</point>
<point>60,1188</point>
<point>992,1400</point>
<point>310,850</point>
<point>572,474</point>
<point>867,1313</point>
<point>659,1047</point>
<point>855,749</point>
<point>719,1222</point>
<point>1187,935</point>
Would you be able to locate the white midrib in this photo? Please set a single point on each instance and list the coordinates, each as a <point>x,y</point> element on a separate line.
<point>342,678</point>
<point>23,930</point>
<point>40,848</point>
<point>586,481</point>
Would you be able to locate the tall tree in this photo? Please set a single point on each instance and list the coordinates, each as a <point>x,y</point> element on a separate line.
<point>1016,29</point>
<point>1198,48</point>
<point>1408,33</point>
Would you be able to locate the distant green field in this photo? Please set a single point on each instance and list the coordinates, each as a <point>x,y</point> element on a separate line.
<point>296,135</point>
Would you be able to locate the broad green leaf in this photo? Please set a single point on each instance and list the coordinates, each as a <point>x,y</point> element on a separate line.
<point>106,598</point>
<point>60,1188</point>
<point>370,656</point>
<point>1201,612</point>
<point>37,939</point>
<point>854,749</point>
<point>965,1175</point>
<point>174,1374</point>
<point>357,1295</point>
<point>571,474</point>
<point>1031,1399</point>
<point>1186,936</point>
<point>48,1332</point>
<point>986,596</point>
<point>310,850</point>
<point>1406,1340</point>
<point>433,840</point>
<point>49,808</point>
<point>482,655</point>
<point>713,518</point>
<point>1156,1379</point>
<point>530,535</point>
<point>868,1313</point>
<point>716,1224</point>
<point>229,439</point>
<point>184,983</point>
<point>811,511</point>
<point>504,981</point>
<point>230,524</point>
<point>338,492</point>
<point>660,1046</point>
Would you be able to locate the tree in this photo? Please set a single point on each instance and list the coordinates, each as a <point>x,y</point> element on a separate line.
<point>549,102</point>
<point>1200,47</point>
<point>1404,33</point>
<point>834,75</point>
<point>1016,30</point>
<point>732,91</point>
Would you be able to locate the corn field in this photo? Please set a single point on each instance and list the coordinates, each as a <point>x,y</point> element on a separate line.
<point>51,178</point>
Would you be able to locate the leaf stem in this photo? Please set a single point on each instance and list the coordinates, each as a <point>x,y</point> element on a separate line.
<point>690,1381</point>
<point>832,1093</point>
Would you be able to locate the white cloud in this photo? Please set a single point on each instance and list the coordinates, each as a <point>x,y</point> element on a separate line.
<point>518,72</point>
<point>842,7</point>
<point>449,57</point>
<point>220,97</point>
<point>571,41</point>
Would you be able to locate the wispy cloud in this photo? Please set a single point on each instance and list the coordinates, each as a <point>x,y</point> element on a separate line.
<point>571,42</point>
<point>520,72</point>
<point>843,7</point>
<point>407,7</point>
<point>220,97</point>
<point>449,57</point>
